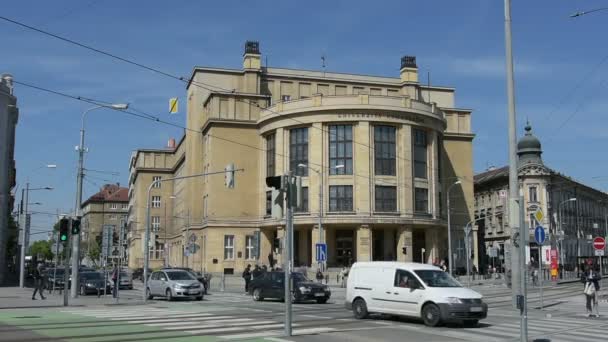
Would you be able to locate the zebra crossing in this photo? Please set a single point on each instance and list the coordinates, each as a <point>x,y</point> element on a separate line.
<point>221,325</point>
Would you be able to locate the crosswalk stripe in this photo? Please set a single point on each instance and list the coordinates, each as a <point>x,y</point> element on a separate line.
<point>195,323</point>
<point>303,331</point>
<point>228,329</point>
<point>171,317</point>
<point>161,320</point>
<point>243,324</point>
<point>588,335</point>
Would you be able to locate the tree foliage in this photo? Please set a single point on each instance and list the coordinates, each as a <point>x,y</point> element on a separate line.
<point>41,250</point>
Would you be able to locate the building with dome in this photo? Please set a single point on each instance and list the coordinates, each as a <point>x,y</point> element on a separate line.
<point>376,155</point>
<point>574,213</point>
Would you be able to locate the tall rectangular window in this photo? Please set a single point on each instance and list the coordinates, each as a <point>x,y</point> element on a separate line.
<point>341,149</point>
<point>533,194</point>
<point>154,179</point>
<point>298,151</point>
<point>384,150</point>
<point>421,201</point>
<point>249,247</point>
<point>113,206</point>
<point>268,203</point>
<point>228,247</point>
<point>341,198</point>
<point>420,154</point>
<point>386,198</point>
<point>304,207</point>
<point>270,155</point>
<point>155,223</point>
<point>155,201</point>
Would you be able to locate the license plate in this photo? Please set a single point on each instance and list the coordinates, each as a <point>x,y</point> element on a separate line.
<point>476,309</point>
<point>319,294</point>
<point>193,292</point>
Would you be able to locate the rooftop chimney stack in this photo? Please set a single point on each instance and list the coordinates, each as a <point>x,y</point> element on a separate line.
<point>171,143</point>
<point>252,56</point>
<point>409,69</point>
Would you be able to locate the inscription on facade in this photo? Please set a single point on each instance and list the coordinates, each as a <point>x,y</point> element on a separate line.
<point>408,117</point>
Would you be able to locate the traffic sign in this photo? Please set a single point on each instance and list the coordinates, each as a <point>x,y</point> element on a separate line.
<point>321,251</point>
<point>599,243</point>
<point>539,235</point>
<point>599,252</point>
<point>538,215</point>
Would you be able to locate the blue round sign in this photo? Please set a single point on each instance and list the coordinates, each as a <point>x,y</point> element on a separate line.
<point>539,235</point>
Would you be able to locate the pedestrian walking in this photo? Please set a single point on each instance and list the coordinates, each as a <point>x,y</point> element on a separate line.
<point>271,260</point>
<point>474,271</point>
<point>115,281</point>
<point>591,280</point>
<point>38,282</point>
<point>319,276</point>
<point>256,273</point>
<point>247,277</point>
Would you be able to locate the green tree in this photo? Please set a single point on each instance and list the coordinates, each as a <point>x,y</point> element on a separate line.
<point>94,252</point>
<point>42,250</point>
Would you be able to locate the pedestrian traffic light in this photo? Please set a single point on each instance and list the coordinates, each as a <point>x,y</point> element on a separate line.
<point>64,230</point>
<point>76,226</point>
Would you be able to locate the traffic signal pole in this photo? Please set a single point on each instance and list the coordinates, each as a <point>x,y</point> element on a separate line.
<point>76,237</point>
<point>288,254</point>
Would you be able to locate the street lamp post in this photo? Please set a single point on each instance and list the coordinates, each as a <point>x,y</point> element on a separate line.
<point>320,224</point>
<point>450,228</point>
<point>79,178</point>
<point>25,228</point>
<point>560,218</point>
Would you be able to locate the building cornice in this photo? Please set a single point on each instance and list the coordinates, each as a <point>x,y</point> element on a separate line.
<point>228,123</point>
<point>458,136</point>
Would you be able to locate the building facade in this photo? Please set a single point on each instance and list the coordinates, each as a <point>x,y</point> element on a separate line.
<point>9,114</point>
<point>574,213</point>
<point>108,207</point>
<point>381,150</point>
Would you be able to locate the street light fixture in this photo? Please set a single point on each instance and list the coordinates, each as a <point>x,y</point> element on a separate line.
<point>320,224</point>
<point>79,178</point>
<point>450,263</point>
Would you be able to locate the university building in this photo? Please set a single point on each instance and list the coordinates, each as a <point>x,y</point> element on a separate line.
<point>574,213</point>
<point>382,151</point>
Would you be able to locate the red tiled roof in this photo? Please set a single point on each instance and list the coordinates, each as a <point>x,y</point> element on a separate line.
<point>109,193</point>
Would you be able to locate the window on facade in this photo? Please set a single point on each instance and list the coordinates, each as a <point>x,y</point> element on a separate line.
<point>228,247</point>
<point>341,149</point>
<point>298,151</point>
<point>249,247</point>
<point>125,206</point>
<point>421,200</point>
<point>155,201</point>
<point>270,155</point>
<point>268,203</point>
<point>384,150</point>
<point>304,207</point>
<point>533,194</point>
<point>155,223</point>
<point>157,251</point>
<point>113,206</point>
<point>386,198</point>
<point>341,198</point>
<point>113,217</point>
<point>154,179</point>
<point>420,154</point>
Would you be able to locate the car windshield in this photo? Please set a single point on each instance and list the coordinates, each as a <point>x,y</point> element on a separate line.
<point>299,277</point>
<point>91,275</point>
<point>437,278</point>
<point>124,275</point>
<point>180,276</point>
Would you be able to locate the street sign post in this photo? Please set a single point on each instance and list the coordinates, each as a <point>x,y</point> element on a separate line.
<point>540,237</point>
<point>321,252</point>
<point>599,244</point>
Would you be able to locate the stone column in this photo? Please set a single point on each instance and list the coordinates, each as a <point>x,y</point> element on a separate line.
<point>363,243</point>
<point>431,245</point>
<point>404,237</point>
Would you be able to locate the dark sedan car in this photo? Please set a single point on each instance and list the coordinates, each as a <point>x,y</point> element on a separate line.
<point>92,282</point>
<point>272,285</point>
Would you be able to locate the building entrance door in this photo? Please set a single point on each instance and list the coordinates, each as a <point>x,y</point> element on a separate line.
<point>378,246</point>
<point>418,243</point>
<point>344,247</point>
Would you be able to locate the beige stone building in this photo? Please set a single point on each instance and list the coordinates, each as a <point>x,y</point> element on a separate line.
<point>384,148</point>
<point>108,207</point>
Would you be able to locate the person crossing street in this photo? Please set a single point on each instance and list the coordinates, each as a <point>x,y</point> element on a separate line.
<point>38,282</point>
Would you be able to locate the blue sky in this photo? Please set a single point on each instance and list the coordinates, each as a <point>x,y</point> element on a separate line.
<point>559,79</point>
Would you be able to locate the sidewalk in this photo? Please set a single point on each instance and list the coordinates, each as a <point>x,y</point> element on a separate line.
<point>16,298</point>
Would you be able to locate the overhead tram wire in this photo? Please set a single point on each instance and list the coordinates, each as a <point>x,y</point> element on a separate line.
<point>158,120</point>
<point>199,84</point>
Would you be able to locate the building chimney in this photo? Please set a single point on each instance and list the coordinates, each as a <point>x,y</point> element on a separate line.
<point>171,143</point>
<point>409,70</point>
<point>252,56</point>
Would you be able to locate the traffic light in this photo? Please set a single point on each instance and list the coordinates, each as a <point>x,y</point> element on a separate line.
<point>276,183</point>
<point>76,226</point>
<point>64,229</point>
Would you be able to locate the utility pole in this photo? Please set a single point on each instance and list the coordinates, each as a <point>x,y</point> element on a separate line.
<point>288,254</point>
<point>76,237</point>
<point>23,231</point>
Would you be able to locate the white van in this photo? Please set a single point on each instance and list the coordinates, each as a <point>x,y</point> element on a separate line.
<point>411,289</point>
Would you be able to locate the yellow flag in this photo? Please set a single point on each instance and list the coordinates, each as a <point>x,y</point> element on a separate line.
<point>173,105</point>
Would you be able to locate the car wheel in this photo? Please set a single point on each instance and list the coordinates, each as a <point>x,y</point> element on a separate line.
<point>471,323</point>
<point>169,295</point>
<point>322,300</point>
<point>257,295</point>
<point>360,309</point>
<point>431,315</point>
<point>149,294</point>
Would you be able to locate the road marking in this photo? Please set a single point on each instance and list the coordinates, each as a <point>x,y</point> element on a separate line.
<point>295,332</point>
<point>228,329</point>
<point>313,316</point>
<point>140,321</point>
<point>195,324</point>
<point>239,323</point>
<point>168,317</point>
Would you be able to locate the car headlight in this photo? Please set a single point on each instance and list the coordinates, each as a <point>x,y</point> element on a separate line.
<point>454,300</point>
<point>328,290</point>
<point>177,286</point>
<point>90,284</point>
<point>304,289</point>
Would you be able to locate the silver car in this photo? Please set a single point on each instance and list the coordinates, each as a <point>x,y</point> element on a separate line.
<point>173,284</point>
